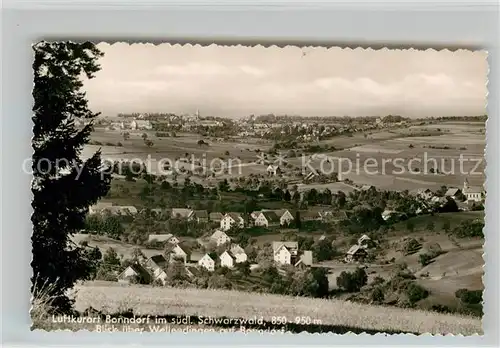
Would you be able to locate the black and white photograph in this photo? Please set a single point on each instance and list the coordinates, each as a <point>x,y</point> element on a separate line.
<point>233,188</point>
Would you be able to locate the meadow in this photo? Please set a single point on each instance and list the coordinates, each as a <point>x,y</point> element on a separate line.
<point>144,300</point>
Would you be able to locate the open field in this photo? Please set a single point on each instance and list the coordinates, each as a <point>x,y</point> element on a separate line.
<point>145,300</point>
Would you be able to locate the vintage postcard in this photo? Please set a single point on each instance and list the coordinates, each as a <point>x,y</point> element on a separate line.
<point>189,188</point>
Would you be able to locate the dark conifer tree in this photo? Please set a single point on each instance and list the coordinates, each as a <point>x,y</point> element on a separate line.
<point>63,186</point>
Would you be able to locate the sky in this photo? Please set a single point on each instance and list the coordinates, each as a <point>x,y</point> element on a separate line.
<point>237,81</point>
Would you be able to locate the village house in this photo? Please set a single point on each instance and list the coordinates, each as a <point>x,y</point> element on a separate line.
<point>199,216</point>
<point>156,264</point>
<point>141,124</point>
<point>134,273</point>
<point>267,219</point>
<point>99,207</point>
<point>232,220</point>
<point>168,238</point>
<point>192,272</point>
<point>473,193</point>
<point>181,213</point>
<point>207,262</point>
<point>219,238</point>
<point>180,251</point>
<point>273,170</point>
<point>355,253</point>
<point>285,253</point>
<point>365,242</point>
<point>387,214</point>
<point>215,217</point>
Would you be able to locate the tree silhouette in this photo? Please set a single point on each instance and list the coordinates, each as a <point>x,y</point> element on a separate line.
<point>63,184</point>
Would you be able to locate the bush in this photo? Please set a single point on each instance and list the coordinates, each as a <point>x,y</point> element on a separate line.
<point>416,293</point>
<point>425,259</point>
<point>378,294</point>
<point>352,282</point>
<point>469,296</point>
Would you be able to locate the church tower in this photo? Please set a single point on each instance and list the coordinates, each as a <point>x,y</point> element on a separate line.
<point>466,184</point>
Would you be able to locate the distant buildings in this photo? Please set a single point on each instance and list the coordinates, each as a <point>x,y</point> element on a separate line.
<point>219,238</point>
<point>141,124</point>
<point>285,253</point>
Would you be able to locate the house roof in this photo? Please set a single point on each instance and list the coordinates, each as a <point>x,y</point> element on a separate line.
<point>205,256</point>
<point>288,245</point>
<point>353,250</point>
<point>271,216</point>
<point>474,189</point>
<point>159,260</point>
<point>452,191</point>
<point>160,237</point>
<point>366,187</point>
<point>217,234</point>
<point>200,214</point>
<point>185,247</point>
<point>236,249</point>
<point>193,270</point>
<point>181,212</point>
<point>363,238</point>
<point>234,216</point>
<point>215,214</point>
<point>196,256</point>
<point>307,214</point>
<point>138,270</point>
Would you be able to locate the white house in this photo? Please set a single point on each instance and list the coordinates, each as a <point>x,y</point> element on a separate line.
<point>220,238</point>
<point>227,259</point>
<point>141,124</point>
<point>207,262</point>
<point>133,271</point>
<point>267,219</point>
<point>156,264</point>
<point>363,240</point>
<point>169,238</point>
<point>273,170</point>
<point>355,253</point>
<point>180,252</point>
<point>473,193</point>
<point>232,219</point>
<point>285,216</point>
<point>285,253</point>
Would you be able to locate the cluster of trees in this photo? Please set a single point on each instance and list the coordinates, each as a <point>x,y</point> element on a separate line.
<point>469,228</point>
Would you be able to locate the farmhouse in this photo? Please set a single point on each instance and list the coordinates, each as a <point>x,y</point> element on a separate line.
<point>192,272</point>
<point>364,241</point>
<point>220,238</point>
<point>232,220</point>
<point>284,253</point>
<point>307,215</point>
<point>215,217</point>
<point>267,219</point>
<point>180,251</point>
<point>156,264</point>
<point>355,253</point>
<point>181,213</point>
<point>207,262</point>
<point>134,273</point>
<point>198,216</point>
<point>227,259</point>
<point>473,193</point>
<point>169,238</point>
<point>285,216</point>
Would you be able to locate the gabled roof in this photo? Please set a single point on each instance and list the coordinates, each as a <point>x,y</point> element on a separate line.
<point>181,212</point>
<point>196,256</point>
<point>217,234</point>
<point>270,216</point>
<point>185,247</point>
<point>288,245</point>
<point>473,189</point>
<point>229,253</point>
<point>138,270</point>
<point>452,191</point>
<point>234,216</point>
<point>159,260</point>
<point>354,249</point>
<point>205,256</point>
<point>215,215</point>
<point>236,249</point>
<point>199,214</point>
<point>160,237</point>
<point>193,270</point>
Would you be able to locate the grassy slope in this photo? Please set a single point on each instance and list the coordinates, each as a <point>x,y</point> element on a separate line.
<point>145,300</point>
